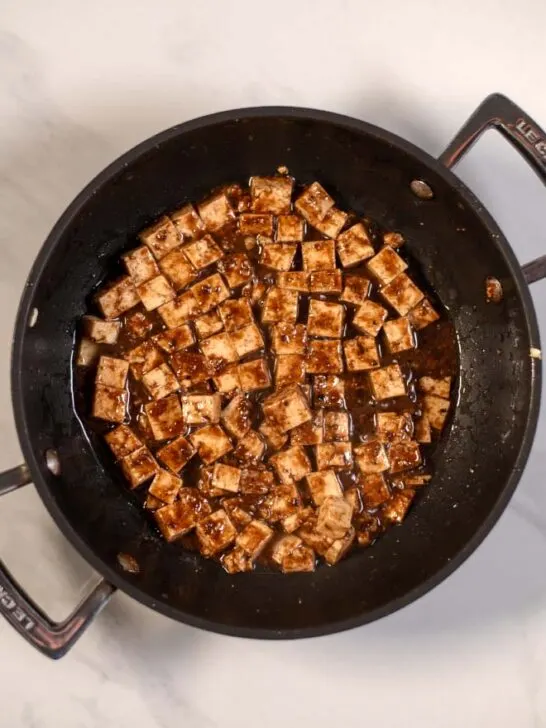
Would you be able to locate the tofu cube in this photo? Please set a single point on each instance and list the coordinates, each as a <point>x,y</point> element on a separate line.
<point>173,340</point>
<point>208,324</point>
<point>295,280</point>
<point>165,417</point>
<point>187,222</point>
<point>439,386</point>
<point>228,380</point>
<point>201,409</point>
<point>152,504</point>
<point>210,292</point>
<point>422,315</point>
<point>291,465</point>
<point>436,410</point>
<point>287,409</point>
<point>180,517</point>
<point>283,501</point>
<point>254,538</point>
<point>203,252</point>
<point>143,359</point>
<point>393,426</point>
<point>235,507</point>
<point>215,533</point>
<point>226,477</point>
<point>334,456</point>
<point>399,335</point>
<point>356,290</point>
<point>117,298</point>
<point>325,319</point>
<point>161,237</point>
<point>319,255</point>
<point>354,246</point>
<point>386,265</point>
<point>247,340</point>
<point>288,339</point>
<point>314,203</point>
<point>297,519</point>
<point>281,305</point>
<point>190,368</point>
<point>395,509</point>
<point>237,416</point>
<point>109,404</point>
<point>290,229</point>
<point>180,310</point>
<point>423,432</point>
<point>336,426</point>
<point>370,317</point>
<point>237,562</point>
<point>271,194</point>
<point>219,351</point>
<point>404,455</point>
<point>177,268</point>
<point>204,484</point>
<point>235,314</point>
<point>371,457</point>
<point>334,517</point>
<point>256,482</point>
<point>402,294</point>
<point>251,448</point>
<point>138,325</point>
<point>155,292</point>
<point>274,436</point>
<point>99,331</point>
<point>165,486</point>
<point>332,223</point>
<point>237,269</point>
<point>374,490</point>
<point>160,381</point>
<point>278,256</point>
<point>139,466</point>
<point>326,281</point>
<point>328,391</point>
<point>361,353</point>
<point>176,454</point>
<point>387,382</point>
<point>309,433</point>
<point>395,240</point>
<point>324,357</point>
<point>339,548</point>
<point>211,442</point>
<point>122,441</point>
<point>254,375</point>
<point>140,264</point>
<point>289,369</point>
<point>251,223</point>
<point>216,212</point>
<point>112,372</point>
<point>322,485</point>
<point>295,559</point>
<point>88,352</point>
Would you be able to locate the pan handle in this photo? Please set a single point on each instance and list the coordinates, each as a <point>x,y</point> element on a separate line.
<point>53,639</point>
<point>498,112</point>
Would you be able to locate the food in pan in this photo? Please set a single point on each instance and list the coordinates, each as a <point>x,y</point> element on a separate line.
<point>271,375</point>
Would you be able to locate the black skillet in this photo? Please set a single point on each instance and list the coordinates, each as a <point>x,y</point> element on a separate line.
<point>457,244</point>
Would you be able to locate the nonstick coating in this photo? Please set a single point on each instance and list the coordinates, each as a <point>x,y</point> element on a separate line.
<point>477,464</point>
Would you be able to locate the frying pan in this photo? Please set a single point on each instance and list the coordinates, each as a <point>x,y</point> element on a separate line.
<point>477,464</point>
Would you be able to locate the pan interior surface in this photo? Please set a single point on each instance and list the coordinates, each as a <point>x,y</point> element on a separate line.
<point>476,465</point>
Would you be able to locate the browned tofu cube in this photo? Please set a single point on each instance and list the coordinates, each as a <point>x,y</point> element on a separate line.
<point>278,256</point>
<point>402,294</point>
<point>255,224</point>
<point>99,331</point>
<point>173,340</point>
<point>143,359</point>
<point>361,353</point>
<point>422,315</point>
<point>386,265</point>
<point>254,375</point>
<point>160,381</point>
<point>395,240</point>
<point>180,517</point>
<point>356,290</point>
<point>336,426</point>
<point>354,246</point>
<point>165,486</point>
<point>399,335</point>
<point>325,319</point>
<point>251,448</point>
<point>140,264</point>
<point>374,490</point>
<point>439,386</point>
<point>324,357</point>
<point>283,501</point>
<point>237,269</point>
<point>112,372</point>
<point>180,310</point>
<point>226,477</point>
<point>387,382</point>
<point>334,517</point>
<point>297,519</point>
<point>204,484</point>
<point>339,548</point>
<point>235,314</point>
<point>296,559</point>
<point>393,426</point>
<point>216,212</point>
<point>152,503</point>
<point>436,410</point>
<point>177,268</point>
<point>254,538</point>
<point>138,325</point>
<point>155,293</point>
<point>274,436</point>
<point>295,280</point>
<point>88,353</point>
<point>228,380</point>
<point>161,237</point>
<point>109,404</point>
<point>395,510</point>
<point>190,368</point>
<point>235,507</point>
<point>328,391</point>
<point>237,416</point>
<point>271,194</point>
<point>423,432</point>
<point>256,481</point>
<point>219,351</point>
<point>319,255</point>
<point>247,340</point>
<point>290,229</point>
<point>203,252</point>
<point>289,369</point>
<point>187,221</point>
<point>371,457</point>
<point>334,456</point>
<point>291,465</point>
<point>314,203</point>
<point>201,409</point>
<point>210,292</point>
<point>117,298</point>
<point>215,533</point>
<point>404,455</point>
<point>139,466</point>
<point>208,324</point>
<point>211,442</point>
<point>176,454</point>
<point>288,339</point>
<point>323,485</point>
<point>369,318</point>
<point>237,562</point>
<point>326,281</point>
<point>332,223</point>
<point>165,417</point>
<point>287,409</point>
<point>309,433</point>
<point>122,441</point>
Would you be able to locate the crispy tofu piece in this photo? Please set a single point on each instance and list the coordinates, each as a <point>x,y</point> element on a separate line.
<point>290,229</point>
<point>370,317</point>
<point>228,380</point>
<point>211,442</point>
<point>203,252</point>
<point>254,375</point>
<point>237,562</point>
<point>374,490</point>
<point>190,368</point>
<point>160,381</point>
<point>314,203</point>
<point>328,391</point>
<point>287,409</point>
<point>173,340</point>
<point>237,416</point>
<point>387,382</point>
<point>289,369</point>
<point>395,510</point>
<point>326,281</point>
<point>399,335</point>
<point>139,466</point>
<point>295,280</point>
<point>138,325</point>
<point>210,292</point>
<point>271,194</point>
<point>404,455</point>
<point>422,315</point>
<point>215,533</point>
<point>336,426</point>
<point>439,386</point>
<point>201,409</point>
<point>219,351</point>
<point>371,457</point>
<point>247,340</point>
<point>339,548</point>
<point>325,319</point>
<point>278,256</point>
<point>356,290</point>
<point>152,503</point>
<point>395,240</point>
<point>297,519</point>
<point>361,353</point>
<point>235,314</point>
<point>235,508</point>
<point>334,517</point>
<point>204,484</point>
<point>256,482</point>
<point>155,293</point>
<point>117,298</point>
<point>165,417</point>
<point>216,212</point>
<point>291,465</point>
<point>88,352</point>
<point>288,339</point>
<point>180,310</point>
<point>165,486</point>
<point>143,359</point>
<point>236,268</point>
<point>283,546</point>
<point>161,237</point>
<point>176,454</point>
<point>226,477</point>
<point>177,268</point>
<point>99,331</point>
<point>324,357</point>
<point>423,432</point>
<point>309,433</point>
<point>402,294</point>
<point>112,372</point>
<point>122,441</point>
<point>334,456</point>
<point>180,517</point>
<point>283,501</point>
<point>251,448</point>
<point>318,255</point>
<point>187,222</point>
<point>208,324</point>
<point>274,436</point>
<point>436,410</point>
<point>392,426</point>
<point>298,558</point>
<point>308,533</point>
<point>254,538</point>
<point>109,404</point>
<point>386,265</point>
<point>323,485</point>
<point>140,264</point>
<point>354,246</point>
<point>251,223</point>
<point>332,223</point>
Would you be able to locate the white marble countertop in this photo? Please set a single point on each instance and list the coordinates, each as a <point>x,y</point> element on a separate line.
<point>82,82</point>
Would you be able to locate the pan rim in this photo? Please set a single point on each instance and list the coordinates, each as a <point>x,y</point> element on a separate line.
<point>36,466</point>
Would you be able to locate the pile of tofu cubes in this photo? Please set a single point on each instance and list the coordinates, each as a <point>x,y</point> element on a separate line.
<point>224,372</point>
